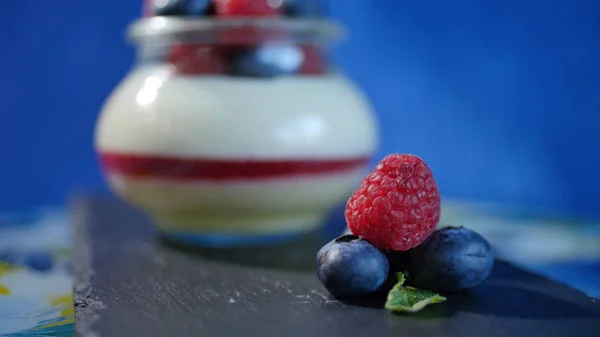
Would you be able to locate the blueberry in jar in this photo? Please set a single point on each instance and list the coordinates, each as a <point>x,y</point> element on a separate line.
<point>304,8</point>
<point>266,60</point>
<point>182,7</point>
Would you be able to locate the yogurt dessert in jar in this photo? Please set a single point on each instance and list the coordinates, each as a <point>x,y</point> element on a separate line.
<point>234,129</point>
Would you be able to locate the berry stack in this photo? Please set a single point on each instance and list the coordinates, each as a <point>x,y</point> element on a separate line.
<point>231,8</point>
<point>392,218</point>
<point>243,51</point>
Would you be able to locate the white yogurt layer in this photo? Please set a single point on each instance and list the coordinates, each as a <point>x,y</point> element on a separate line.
<point>154,111</point>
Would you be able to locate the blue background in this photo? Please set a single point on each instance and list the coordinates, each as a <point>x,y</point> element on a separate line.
<point>501,99</point>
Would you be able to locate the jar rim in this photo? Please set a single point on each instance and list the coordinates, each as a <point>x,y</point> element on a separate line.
<point>175,27</point>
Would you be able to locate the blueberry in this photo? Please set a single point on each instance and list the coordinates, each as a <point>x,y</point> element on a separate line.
<point>39,261</point>
<point>450,260</point>
<point>349,266</point>
<point>304,8</point>
<point>266,61</point>
<point>182,7</point>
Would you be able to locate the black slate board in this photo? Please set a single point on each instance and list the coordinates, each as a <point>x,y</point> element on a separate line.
<point>130,283</point>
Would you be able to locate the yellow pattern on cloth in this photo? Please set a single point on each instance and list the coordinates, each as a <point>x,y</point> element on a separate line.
<point>4,269</point>
<point>65,301</point>
<point>4,290</point>
<point>56,324</point>
<point>67,313</point>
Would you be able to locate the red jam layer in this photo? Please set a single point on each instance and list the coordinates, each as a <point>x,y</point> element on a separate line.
<point>178,168</point>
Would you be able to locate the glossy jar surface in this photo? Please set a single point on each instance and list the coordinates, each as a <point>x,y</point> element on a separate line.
<point>216,155</point>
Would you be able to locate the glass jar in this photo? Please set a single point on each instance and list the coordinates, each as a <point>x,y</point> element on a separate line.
<point>234,131</point>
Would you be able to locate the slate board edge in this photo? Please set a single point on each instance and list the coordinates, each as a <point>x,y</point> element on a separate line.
<point>86,306</point>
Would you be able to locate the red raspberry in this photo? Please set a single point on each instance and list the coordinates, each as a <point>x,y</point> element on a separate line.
<point>245,8</point>
<point>244,35</point>
<point>314,60</point>
<point>397,206</point>
<point>147,8</point>
<point>191,59</point>
<point>248,35</point>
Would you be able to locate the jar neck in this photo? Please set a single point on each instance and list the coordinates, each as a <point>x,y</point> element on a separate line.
<point>240,47</point>
<point>234,30</point>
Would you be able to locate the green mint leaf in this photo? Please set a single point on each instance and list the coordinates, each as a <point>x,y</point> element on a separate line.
<point>409,299</point>
<point>401,278</point>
